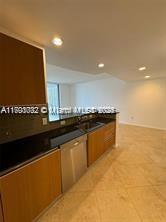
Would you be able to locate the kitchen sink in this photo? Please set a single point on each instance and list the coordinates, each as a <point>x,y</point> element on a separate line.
<point>105,120</point>
<point>88,126</point>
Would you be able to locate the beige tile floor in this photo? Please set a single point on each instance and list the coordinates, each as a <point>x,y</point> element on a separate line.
<point>127,184</point>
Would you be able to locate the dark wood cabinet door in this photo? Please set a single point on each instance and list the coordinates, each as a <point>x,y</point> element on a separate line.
<point>22,78</point>
<point>1,211</point>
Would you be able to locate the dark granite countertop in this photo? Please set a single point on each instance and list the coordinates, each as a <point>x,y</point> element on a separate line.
<point>17,153</point>
<point>72,115</point>
<point>20,152</point>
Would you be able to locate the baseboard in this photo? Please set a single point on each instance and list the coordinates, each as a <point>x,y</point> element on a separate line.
<point>141,125</point>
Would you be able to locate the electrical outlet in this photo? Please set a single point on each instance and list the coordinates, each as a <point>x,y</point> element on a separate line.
<point>44,121</point>
<point>63,122</point>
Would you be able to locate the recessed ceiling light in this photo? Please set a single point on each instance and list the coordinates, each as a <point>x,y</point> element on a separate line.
<point>57,41</point>
<point>142,68</point>
<point>101,65</point>
<point>147,77</point>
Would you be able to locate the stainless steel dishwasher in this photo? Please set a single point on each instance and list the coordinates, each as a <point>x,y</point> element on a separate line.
<point>73,161</point>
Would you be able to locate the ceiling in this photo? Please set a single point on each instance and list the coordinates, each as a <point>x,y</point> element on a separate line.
<point>70,76</point>
<point>123,34</point>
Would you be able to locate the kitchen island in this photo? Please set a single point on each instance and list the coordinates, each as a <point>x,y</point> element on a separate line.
<point>30,168</point>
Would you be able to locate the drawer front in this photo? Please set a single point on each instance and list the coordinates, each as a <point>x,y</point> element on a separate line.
<point>109,130</point>
<point>109,135</point>
<point>108,143</point>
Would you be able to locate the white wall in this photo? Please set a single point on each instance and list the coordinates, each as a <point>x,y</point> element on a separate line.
<point>145,103</point>
<point>140,103</point>
<point>65,77</point>
<point>99,93</point>
<point>65,95</point>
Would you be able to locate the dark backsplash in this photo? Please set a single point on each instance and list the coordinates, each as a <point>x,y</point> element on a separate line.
<point>18,126</point>
<point>15,126</point>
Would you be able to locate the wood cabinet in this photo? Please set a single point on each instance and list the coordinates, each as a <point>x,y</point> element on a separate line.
<point>21,73</point>
<point>99,141</point>
<point>109,135</point>
<point>27,191</point>
<point>1,211</point>
<point>95,145</point>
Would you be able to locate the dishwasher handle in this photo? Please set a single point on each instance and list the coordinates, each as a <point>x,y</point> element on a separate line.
<point>76,143</point>
<point>73,143</point>
<point>68,146</point>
